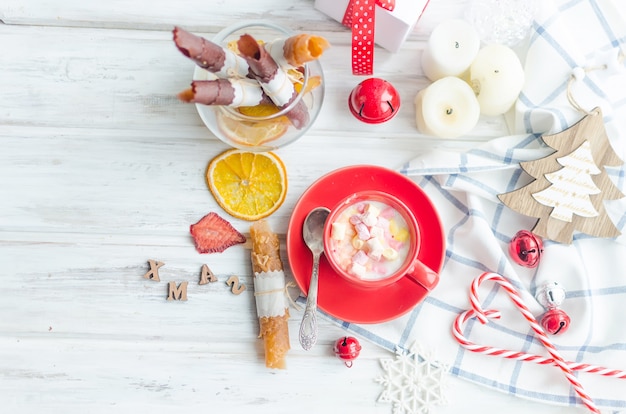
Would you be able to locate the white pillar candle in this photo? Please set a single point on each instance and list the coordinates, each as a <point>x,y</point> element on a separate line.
<point>450,50</point>
<point>447,108</point>
<point>497,77</point>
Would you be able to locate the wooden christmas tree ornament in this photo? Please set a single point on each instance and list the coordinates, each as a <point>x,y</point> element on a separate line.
<point>571,184</point>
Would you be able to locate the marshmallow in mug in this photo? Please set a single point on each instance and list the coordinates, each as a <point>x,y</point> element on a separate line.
<point>447,108</point>
<point>451,49</point>
<point>497,77</point>
<point>370,240</point>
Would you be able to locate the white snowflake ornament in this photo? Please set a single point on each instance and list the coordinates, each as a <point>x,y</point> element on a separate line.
<point>413,381</point>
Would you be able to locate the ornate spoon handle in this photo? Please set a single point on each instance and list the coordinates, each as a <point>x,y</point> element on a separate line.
<point>308,327</point>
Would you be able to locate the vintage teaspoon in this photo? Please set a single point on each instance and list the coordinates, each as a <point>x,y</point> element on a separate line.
<point>313,234</point>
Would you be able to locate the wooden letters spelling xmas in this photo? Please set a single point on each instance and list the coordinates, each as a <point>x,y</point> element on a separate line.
<point>179,292</point>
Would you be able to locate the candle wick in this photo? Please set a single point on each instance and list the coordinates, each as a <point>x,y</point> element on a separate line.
<point>361,109</point>
<point>391,106</point>
<point>456,45</point>
<point>449,111</point>
<point>496,71</point>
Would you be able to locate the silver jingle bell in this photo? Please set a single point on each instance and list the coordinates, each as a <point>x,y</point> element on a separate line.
<point>550,295</point>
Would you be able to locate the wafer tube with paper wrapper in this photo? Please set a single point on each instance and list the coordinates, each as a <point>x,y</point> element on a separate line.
<point>208,55</point>
<point>270,294</point>
<point>296,50</point>
<point>229,92</point>
<point>273,79</point>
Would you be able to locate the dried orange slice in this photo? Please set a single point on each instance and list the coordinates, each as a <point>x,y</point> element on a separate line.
<point>252,133</point>
<point>312,83</point>
<point>260,110</point>
<point>247,185</point>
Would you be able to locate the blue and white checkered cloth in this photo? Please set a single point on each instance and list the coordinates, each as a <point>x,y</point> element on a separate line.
<point>464,187</point>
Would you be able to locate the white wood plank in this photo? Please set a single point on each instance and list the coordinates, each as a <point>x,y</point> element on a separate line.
<point>110,182</point>
<point>197,15</point>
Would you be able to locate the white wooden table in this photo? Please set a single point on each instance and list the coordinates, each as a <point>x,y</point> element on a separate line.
<point>102,169</point>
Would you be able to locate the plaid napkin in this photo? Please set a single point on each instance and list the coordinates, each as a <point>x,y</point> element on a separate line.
<point>464,187</point>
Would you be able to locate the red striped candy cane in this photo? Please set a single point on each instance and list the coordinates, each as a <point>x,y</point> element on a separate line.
<point>457,331</point>
<point>484,315</point>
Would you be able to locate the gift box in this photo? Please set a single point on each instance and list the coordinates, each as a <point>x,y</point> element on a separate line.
<point>391,28</point>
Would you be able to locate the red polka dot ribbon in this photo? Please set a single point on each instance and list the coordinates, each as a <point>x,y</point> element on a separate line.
<point>360,16</point>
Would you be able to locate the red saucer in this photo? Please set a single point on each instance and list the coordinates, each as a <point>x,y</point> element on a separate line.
<point>336,296</point>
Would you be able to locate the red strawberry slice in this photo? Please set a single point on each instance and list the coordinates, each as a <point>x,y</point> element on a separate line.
<point>213,234</point>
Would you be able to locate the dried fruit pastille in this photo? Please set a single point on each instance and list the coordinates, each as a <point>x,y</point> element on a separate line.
<point>269,289</point>
<point>213,234</point>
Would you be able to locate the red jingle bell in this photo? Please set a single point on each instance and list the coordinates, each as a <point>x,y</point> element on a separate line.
<point>555,321</point>
<point>347,349</point>
<point>526,249</point>
<point>374,101</point>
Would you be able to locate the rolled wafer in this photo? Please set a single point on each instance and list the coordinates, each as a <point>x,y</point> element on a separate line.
<point>228,92</point>
<point>270,293</point>
<point>273,79</point>
<point>297,50</point>
<point>210,56</point>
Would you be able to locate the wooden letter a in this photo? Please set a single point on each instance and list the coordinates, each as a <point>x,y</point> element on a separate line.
<point>206,275</point>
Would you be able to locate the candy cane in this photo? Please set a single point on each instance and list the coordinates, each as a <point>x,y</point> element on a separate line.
<point>457,331</point>
<point>484,315</point>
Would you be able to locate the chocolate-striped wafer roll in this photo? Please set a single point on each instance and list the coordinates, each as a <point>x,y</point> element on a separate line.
<point>270,293</point>
<point>210,56</point>
<point>228,92</point>
<point>273,79</point>
<point>297,50</point>
<point>264,68</point>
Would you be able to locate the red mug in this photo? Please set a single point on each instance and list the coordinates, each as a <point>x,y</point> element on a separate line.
<point>372,239</point>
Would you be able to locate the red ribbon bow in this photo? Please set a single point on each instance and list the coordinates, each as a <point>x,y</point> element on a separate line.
<point>360,16</point>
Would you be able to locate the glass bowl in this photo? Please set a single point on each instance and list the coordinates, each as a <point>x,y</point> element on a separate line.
<point>261,133</point>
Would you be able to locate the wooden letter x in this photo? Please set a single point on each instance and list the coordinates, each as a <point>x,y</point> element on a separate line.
<point>153,273</point>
